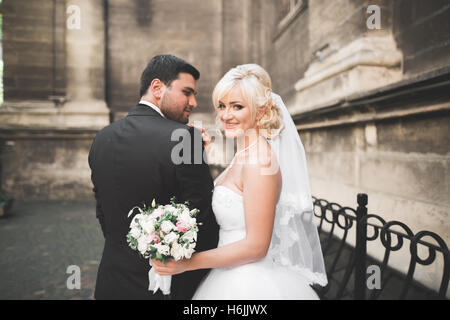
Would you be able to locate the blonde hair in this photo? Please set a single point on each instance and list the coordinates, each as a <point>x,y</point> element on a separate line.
<point>255,86</point>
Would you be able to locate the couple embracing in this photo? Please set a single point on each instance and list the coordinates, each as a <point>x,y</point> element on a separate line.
<point>256,239</point>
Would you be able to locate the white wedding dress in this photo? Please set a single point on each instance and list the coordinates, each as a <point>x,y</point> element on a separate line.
<point>261,280</point>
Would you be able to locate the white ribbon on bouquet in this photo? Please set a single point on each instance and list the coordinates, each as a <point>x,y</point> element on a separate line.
<point>156,281</point>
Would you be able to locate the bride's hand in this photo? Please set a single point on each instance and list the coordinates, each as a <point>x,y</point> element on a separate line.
<point>172,267</point>
<point>205,136</point>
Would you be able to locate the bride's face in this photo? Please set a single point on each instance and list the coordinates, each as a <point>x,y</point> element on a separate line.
<point>235,114</point>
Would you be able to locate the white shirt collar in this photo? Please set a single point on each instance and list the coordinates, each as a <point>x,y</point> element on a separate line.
<point>151,105</point>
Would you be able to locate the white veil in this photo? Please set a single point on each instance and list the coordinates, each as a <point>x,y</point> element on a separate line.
<point>295,239</point>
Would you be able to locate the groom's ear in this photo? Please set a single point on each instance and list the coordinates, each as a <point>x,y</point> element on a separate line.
<point>156,88</point>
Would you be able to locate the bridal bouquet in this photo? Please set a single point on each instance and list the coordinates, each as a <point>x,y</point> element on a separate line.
<point>163,232</point>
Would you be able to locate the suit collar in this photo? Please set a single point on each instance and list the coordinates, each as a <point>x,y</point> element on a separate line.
<point>143,110</point>
<point>151,105</point>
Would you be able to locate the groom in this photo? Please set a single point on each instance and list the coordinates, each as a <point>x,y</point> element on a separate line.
<point>132,162</point>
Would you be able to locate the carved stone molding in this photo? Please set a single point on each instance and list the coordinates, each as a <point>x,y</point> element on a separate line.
<point>44,115</point>
<point>414,96</point>
<point>363,65</point>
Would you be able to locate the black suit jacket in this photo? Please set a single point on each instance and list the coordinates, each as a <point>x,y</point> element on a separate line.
<point>131,163</point>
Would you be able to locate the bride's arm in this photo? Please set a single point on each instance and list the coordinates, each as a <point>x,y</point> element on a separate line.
<point>261,192</point>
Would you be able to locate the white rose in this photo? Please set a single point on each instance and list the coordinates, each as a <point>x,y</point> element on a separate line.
<point>176,211</point>
<point>135,232</point>
<point>147,224</point>
<point>171,237</point>
<point>163,249</point>
<point>190,236</point>
<point>186,217</point>
<point>167,226</point>
<point>177,251</point>
<point>193,222</point>
<point>134,222</point>
<point>169,208</point>
<point>143,243</point>
<point>158,212</point>
<point>188,252</point>
<point>192,245</point>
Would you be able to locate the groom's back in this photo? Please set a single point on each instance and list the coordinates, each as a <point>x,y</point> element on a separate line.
<point>131,164</point>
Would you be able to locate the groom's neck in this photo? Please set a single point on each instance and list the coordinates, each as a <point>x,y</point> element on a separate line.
<point>154,102</point>
<point>151,99</point>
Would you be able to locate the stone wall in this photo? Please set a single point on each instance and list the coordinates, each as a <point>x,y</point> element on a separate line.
<point>138,30</point>
<point>61,83</point>
<point>421,31</point>
<point>319,29</point>
<point>29,40</point>
<point>50,166</point>
<point>372,106</point>
<point>54,98</point>
<point>403,158</point>
<point>402,164</point>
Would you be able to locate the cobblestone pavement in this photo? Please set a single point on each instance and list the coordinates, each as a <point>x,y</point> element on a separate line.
<point>39,240</point>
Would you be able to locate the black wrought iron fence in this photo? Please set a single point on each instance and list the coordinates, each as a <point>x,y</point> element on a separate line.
<point>344,234</point>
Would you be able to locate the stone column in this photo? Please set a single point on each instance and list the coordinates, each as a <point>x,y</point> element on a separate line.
<point>85,61</point>
<point>233,23</point>
<point>348,58</point>
<point>57,81</point>
<point>55,53</point>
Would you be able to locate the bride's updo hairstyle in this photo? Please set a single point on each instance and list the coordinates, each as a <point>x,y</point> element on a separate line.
<point>255,86</point>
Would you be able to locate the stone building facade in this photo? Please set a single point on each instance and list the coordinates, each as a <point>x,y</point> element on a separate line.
<point>367,82</point>
<point>54,98</point>
<point>372,105</point>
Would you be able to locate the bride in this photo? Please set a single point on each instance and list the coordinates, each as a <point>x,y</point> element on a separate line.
<point>268,244</point>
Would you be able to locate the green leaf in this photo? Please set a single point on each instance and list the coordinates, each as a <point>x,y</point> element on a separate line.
<point>159,256</point>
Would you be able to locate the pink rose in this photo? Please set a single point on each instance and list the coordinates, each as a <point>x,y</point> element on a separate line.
<point>183,226</point>
<point>155,238</point>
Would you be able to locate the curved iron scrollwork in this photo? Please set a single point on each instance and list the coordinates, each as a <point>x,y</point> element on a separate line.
<point>335,247</point>
<point>343,260</point>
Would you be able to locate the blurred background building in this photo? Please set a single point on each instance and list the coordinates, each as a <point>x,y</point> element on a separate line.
<point>367,82</point>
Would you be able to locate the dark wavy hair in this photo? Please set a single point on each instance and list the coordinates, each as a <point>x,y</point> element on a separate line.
<point>166,68</point>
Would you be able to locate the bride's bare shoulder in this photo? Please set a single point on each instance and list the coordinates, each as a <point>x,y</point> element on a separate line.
<point>260,161</point>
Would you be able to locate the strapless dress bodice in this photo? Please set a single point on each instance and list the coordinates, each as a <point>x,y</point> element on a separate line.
<point>228,207</point>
